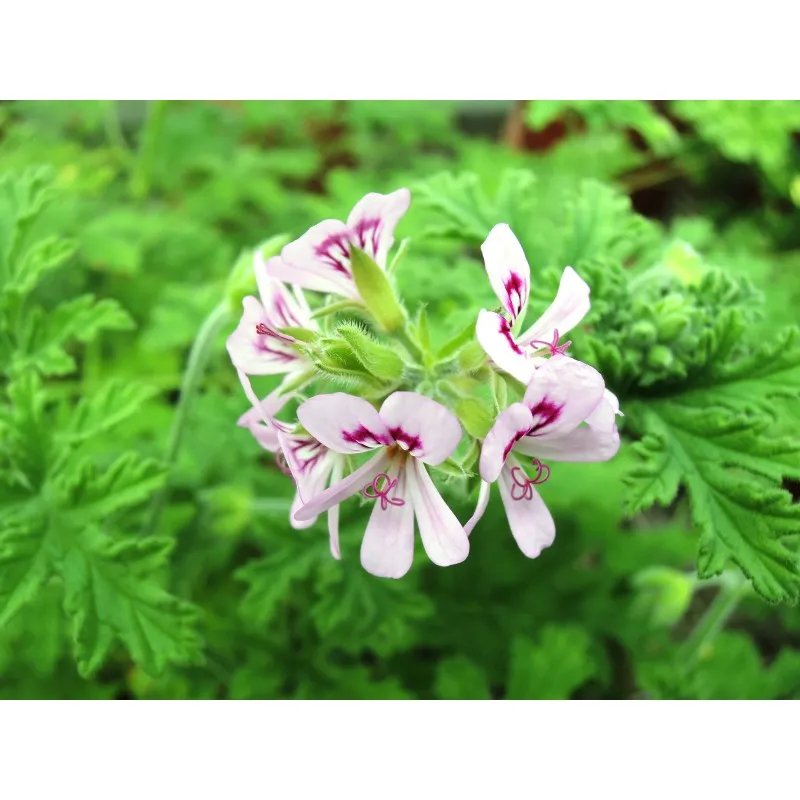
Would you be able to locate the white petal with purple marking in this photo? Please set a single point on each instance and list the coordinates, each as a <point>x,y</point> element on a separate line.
<point>493,332</point>
<point>343,422</point>
<point>508,269</point>
<point>570,306</point>
<point>510,426</point>
<point>531,522</point>
<point>373,219</point>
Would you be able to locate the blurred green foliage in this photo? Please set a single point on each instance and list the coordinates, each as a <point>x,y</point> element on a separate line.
<point>138,564</point>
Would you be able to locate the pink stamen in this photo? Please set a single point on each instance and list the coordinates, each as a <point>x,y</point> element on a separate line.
<point>262,329</point>
<point>554,347</point>
<point>524,483</point>
<point>382,492</point>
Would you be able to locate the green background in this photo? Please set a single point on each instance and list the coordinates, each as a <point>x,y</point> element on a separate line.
<point>114,587</point>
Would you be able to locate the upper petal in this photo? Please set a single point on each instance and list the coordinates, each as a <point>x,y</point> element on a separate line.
<point>259,419</point>
<point>562,394</point>
<point>345,488</point>
<point>309,461</point>
<point>257,353</point>
<point>531,523</point>
<point>494,335</point>
<point>507,269</point>
<point>585,444</point>
<point>373,220</point>
<point>281,307</point>
<point>387,549</point>
<point>604,416</point>
<point>343,422</point>
<point>318,260</point>
<point>428,430</point>
<point>509,427</point>
<point>443,536</point>
<point>566,311</point>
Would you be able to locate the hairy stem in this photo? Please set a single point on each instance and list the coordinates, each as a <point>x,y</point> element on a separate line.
<point>195,366</point>
<point>734,588</point>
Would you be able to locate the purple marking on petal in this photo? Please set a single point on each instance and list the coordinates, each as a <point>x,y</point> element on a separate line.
<point>510,446</point>
<point>514,285</point>
<point>544,413</point>
<point>283,313</point>
<point>365,227</point>
<point>505,329</point>
<point>364,437</point>
<point>402,438</point>
<point>306,452</point>
<point>335,251</point>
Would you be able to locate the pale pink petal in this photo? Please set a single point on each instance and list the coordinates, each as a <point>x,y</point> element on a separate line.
<point>480,508</point>
<point>281,306</point>
<point>442,534</point>
<point>259,419</point>
<point>260,353</point>
<point>345,488</point>
<point>562,394</point>
<point>333,513</point>
<point>566,311</point>
<point>508,270</point>
<point>309,461</point>
<point>343,422</point>
<point>387,548</point>
<point>428,430</point>
<point>373,220</point>
<point>585,444</point>
<point>604,416</point>
<point>297,502</point>
<point>509,427</point>
<point>528,517</point>
<point>319,260</point>
<point>493,332</point>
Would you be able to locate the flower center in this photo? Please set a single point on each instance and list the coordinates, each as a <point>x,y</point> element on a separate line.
<point>523,485</point>
<point>554,347</point>
<point>380,488</point>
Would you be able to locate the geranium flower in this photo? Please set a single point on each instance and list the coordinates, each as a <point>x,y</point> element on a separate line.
<point>408,432</point>
<point>546,426</point>
<point>510,276</point>
<point>320,259</point>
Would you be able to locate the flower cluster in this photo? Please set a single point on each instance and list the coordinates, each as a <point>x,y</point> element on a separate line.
<point>342,445</point>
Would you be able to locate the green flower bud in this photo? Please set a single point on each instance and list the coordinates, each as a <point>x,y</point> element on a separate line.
<point>660,357</point>
<point>376,291</point>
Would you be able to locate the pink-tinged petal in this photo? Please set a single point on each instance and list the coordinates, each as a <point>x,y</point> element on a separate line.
<point>373,220</point>
<point>493,332</point>
<point>281,306</point>
<point>259,419</point>
<point>297,503</point>
<point>428,430</point>
<point>507,268</point>
<point>480,508</point>
<point>319,260</point>
<point>309,462</point>
<point>442,534</point>
<point>604,416</point>
<point>333,513</point>
<point>530,521</point>
<point>562,394</point>
<point>345,488</point>
<point>387,548</point>
<point>585,444</point>
<point>255,349</point>
<point>566,311</point>
<point>510,426</point>
<point>343,422</point>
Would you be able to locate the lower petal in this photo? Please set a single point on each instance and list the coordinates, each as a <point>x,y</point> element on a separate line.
<point>387,549</point>
<point>333,513</point>
<point>345,488</point>
<point>480,509</point>
<point>530,521</point>
<point>510,426</point>
<point>603,417</point>
<point>443,536</point>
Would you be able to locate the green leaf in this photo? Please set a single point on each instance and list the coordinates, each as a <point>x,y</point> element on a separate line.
<point>24,566</point>
<point>376,291</point>
<point>109,594</point>
<point>458,678</point>
<point>554,667</point>
<point>47,254</point>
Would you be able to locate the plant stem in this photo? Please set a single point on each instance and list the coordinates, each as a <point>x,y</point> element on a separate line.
<point>151,130</point>
<point>733,589</point>
<point>413,348</point>
<point>195,366</point>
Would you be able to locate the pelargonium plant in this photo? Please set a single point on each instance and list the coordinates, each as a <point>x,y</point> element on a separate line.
<point>413,415</point>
